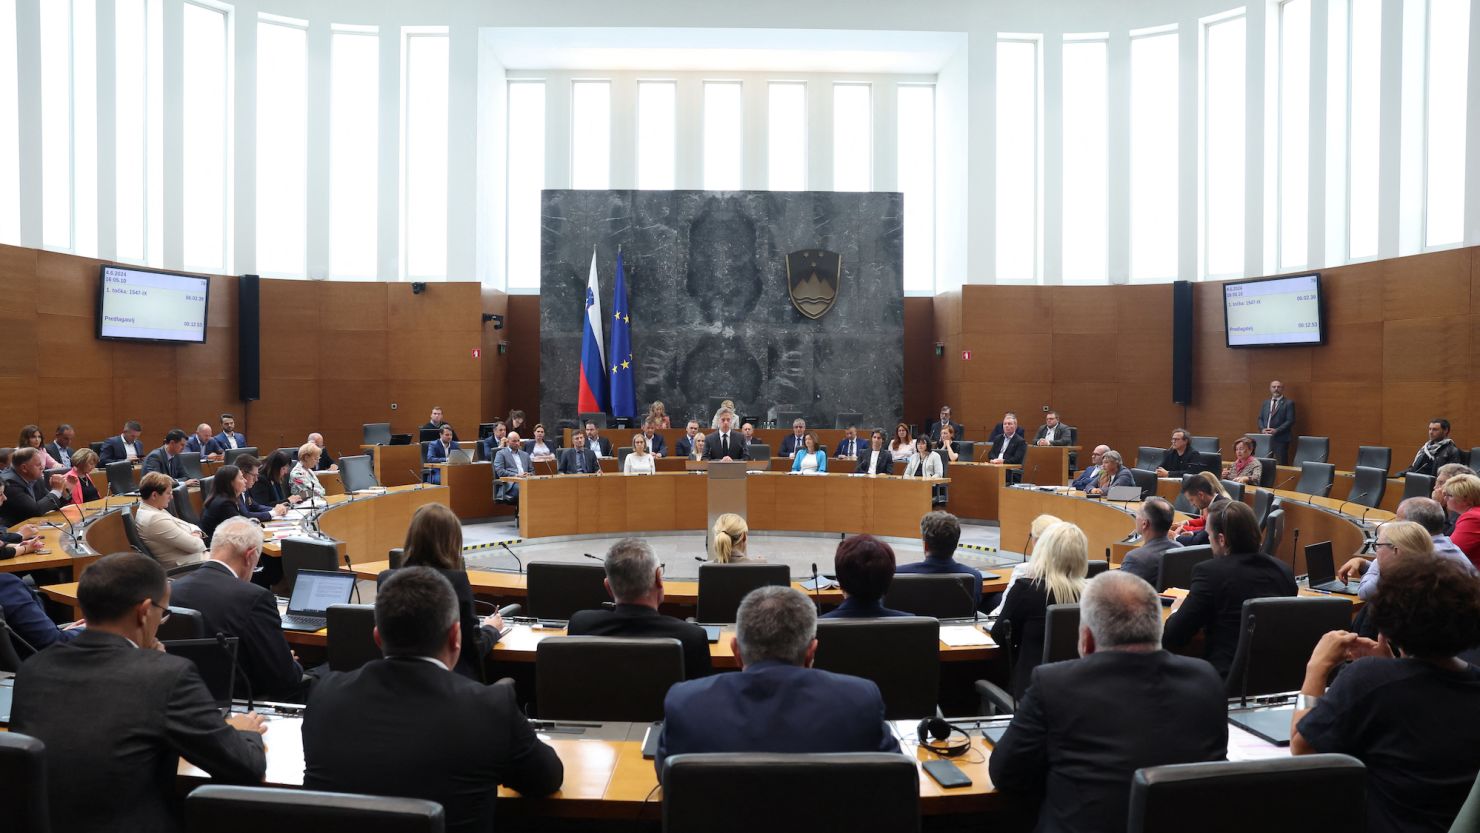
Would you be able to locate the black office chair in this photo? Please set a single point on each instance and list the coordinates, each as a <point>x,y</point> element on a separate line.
<point>396,557</point>
<point>1149,458</point>
<point>758,451</point>
<point>1263,502</point>
<point>555,590</point>
<point>183,623</point>
<point>786,415</point>
<point>1417,485</point>
<point>1368,486</point>
<point>1274,533</point>
<point>376,433</point>
<point>1375,456</point>
<point>351,638</point>
<point>190,465</point>
<point>97,447</point>
<point>723,586</point>
<point>965,451</point>
<point>605,677</point>
<point>901,654</point>
<point>121,478</point>
<point>215,659</point>
<point>1234,489</point>
<point>861,792</point>
<point>10,659</point>
<point>1311,450</point>
<point>181,505</point>
<point>1145,481</point>
<point>306,554</point>
<point>1269,472</point>
<point>1274,794</point>
<point>938,493</point>
<point>291,453</point>
<point>1060,643</point>
<point>1316,479</point>
<point>1276,636</point>
<point>131,531</point>
<point>943,596</point>
<point>223,809</point>
<point>23,772</point>
<point>622,452</point>
<point>1473,458</point>
<point>1210,461</point>
<point>1205,445</point>
<point>356,472</point>
<point>1261,444</point>
<point>1098,566</point>
<point>230,455</point>
<point>1177,563</point>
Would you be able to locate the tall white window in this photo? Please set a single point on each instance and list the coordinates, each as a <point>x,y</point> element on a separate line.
<point>1223,146</point>
<point>657,126</point>
<point>56,124</point>
<point>354,153</point>
<point>1086,186</point>
<point>282,148</point>
<point>10,153</point>
<point>786,136</point>
<point>915,144</point>
<point>206,149</point>
<point>591,134</point>
<point>1294,132</point>
<point>526,176</point>
<point>853,132</point>
<point>723,122</point>
<point>424,154</point>
<point>85,127</point>
<point>1154,156</point>
<point>138,130</point>
<point>1449,40</point>
<point>1364,126</point>
<point>1017,160</point>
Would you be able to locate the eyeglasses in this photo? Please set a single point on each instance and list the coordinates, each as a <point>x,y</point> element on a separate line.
<point>1380,544</point>
<point>164,611</point>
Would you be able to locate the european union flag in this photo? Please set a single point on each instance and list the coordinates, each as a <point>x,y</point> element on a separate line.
<point>624,392</point>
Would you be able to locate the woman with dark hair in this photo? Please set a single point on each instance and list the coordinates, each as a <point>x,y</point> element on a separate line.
<point>434,539</point>
<point>269,489</point>
<point>515,421</point>
<point>1406,705</point>
<point>227,487</point>
<point>865,568</point>
<point>31,438</point>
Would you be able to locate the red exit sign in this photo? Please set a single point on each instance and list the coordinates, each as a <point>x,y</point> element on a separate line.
<point>965,355</point>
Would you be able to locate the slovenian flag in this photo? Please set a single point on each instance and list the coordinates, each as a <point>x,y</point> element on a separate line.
<point>591,398</point>
<point>624,394</point>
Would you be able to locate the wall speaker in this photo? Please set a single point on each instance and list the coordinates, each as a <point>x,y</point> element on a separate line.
<point>249,339</point>
<point>1182,326</point>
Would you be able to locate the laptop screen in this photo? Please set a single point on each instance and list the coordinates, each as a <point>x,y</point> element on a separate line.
<point>1318,563</point>
<point>315,590</point>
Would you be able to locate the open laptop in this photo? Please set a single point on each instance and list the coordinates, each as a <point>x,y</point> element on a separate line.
<point>313,592</point>
<point>1321,570</point>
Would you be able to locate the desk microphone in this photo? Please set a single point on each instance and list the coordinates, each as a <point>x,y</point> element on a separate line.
<point>971,602</point>
<point>1294,549</point>
<point>1283,483</point>
<point>420,483</point>
<point>1350,500</point>
<point>17,637</point>
<point>356,585</point>
<point>513,555</point>
<point>594,557</point>
<point>816,586</point>
<point>1026,541</point>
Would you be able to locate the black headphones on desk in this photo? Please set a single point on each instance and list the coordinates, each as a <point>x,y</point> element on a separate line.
<point>938,735</point>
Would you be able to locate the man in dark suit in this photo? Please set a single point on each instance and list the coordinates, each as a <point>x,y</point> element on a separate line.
<point>1081,757</point>
<point>28,492</point>
<point>635,580</point>
<point>1091,475</point>
<point>453,740</point>
<point>1052,432</point>
<point>778,702</point>
<point>726,443</point>
<point>1277,420</point>
<point>850,447</point>
<point>793,441</point>
<point>940,533</point>
<point>1201,494</point>
<point>125,446</point>
<point>1180,459</point>
<point>166,458</point>
<point>578,459</point>
<point>222,590</point>
<point>876,459</point>
<point>325,463</point>
<point>60,448</point>
<point>117,716</point>
<point>685,445</point>
<point>510,461</point>
<point>657,446</point>
<point>957,429</point>
<point>1010,446</point>
<point>229,438</point>
<point>202,442</point>
<point>1153,521</point>
<point>597,443</point>
<point>1221,585</point>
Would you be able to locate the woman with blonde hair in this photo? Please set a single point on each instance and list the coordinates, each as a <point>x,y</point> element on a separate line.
<point>725,407</point>
<point>638,460</point>
<point>1056,575</point>
<point>658,413</point>
<point>1036,529</point>
<point>730,537</point>
<point>302,482</point>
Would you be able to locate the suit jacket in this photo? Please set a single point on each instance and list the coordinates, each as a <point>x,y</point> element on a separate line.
<point>856,608</point>
<point>550,442</point>
<point>657,445</point>
<point>852,448</point>
<point>774,707</point>
<point>26,615</point>
<point>325,461</point>
<point>684,447</point>
<point>61,455</point>
<point>885,464</point>
<point>267,492</point>
<point>217,510</point>
<point>454,740</point>
<point>437,453</point>
<point>958,431</point>
<point>1022,623</point>
<point>568,461</point>
<point>928,466</point>
<point>27,500</point>
<point>115,451</point>
<point>643,621</point>
<point>1081,756</point>
<point>1013,453</point>
<point>1282,420</point>
<point>1088,478</point>
<point>1121,478</point>
<point>1061,434</point>
<point>504,466</point>
<point>160,460</point>
<point>738,451</point>
<point>115,770</point>
<point>193,443</point>
<point>789,445</point>
<point>1145,560</point>
<point>1219,588</point>
<point>249,613</point>
<point>222,444</point>
<point>604,444</point>
<point>168,537</point>
<point>1199,534</point>
<point>477,640</point>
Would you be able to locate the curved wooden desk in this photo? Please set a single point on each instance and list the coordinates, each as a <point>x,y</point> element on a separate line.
<point>370,526</point>
<point>1105,524</point>
<point>588,504</point>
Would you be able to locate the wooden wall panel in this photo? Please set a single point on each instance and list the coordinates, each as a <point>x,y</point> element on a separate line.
<point>494,367</point>
<point>523,330</point>
<point>920,360</point>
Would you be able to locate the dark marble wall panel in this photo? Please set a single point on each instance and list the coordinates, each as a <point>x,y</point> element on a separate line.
<point>711,314</point>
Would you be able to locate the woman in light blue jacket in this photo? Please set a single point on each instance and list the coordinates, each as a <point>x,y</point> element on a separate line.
<point>809,458</point>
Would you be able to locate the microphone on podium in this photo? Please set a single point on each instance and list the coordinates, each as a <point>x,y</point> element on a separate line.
<point>816,586</point>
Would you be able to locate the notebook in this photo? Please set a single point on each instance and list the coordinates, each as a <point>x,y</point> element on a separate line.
<point>313,592</point>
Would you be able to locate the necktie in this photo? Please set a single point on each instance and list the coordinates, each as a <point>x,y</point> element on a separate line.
<point>724,445</point>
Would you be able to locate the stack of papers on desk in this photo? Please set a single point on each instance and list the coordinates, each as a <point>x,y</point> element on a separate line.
<point>960,636</point>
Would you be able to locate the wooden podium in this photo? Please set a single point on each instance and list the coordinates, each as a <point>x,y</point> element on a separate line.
<point>1047,465</point>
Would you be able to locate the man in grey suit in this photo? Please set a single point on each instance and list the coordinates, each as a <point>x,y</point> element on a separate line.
<point>166,458</point>
<point>510,461</point>
<point>1153,520</point>
<point>578,459</point>
<point>1276,420</point>
<point>116,715</point>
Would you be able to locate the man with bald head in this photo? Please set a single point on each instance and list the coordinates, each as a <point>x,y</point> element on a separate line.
<point>1091,473</point>
<point>325,463</point>
<point>203,441</point>
<point>1427,513</point>
<point>1276,419</point>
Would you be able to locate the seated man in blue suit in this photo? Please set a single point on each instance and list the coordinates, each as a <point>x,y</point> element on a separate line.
<point>685,445</point>
<point>657,446</point>
<point>166,458</point>
<point>438,451</point>
<point>793,441</point>
<point>1091,474</point>
<point>851,447</point>
<point>865,568</point>
<point>510,461</point>
<point>125,446</point>
<point>202,442</point>
<point>940,532</point>
<point>229,438</point>
<point>778,702</point>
